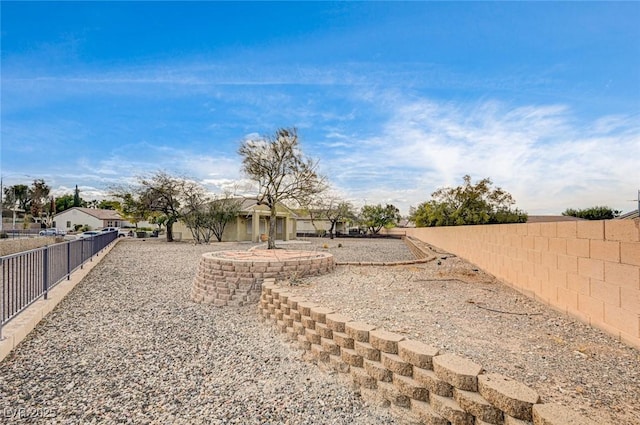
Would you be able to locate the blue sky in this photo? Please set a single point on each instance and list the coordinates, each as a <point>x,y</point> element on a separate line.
<point>394,99</point>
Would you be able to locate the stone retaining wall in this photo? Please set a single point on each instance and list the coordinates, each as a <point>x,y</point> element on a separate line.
<point>419,382</point>
<point>235,277</point>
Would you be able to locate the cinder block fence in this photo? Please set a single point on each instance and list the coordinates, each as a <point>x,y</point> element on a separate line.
<point>425,385</point>
<point>587,269</point>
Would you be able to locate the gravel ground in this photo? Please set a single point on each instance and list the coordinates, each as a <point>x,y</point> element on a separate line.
<point>128,346</point>
<point>451,305</point>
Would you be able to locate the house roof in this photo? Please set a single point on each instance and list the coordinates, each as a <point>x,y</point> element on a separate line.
<point>97,213</point>
<point>551,218</point>
<point>629,216</point>
<point>250,204</point>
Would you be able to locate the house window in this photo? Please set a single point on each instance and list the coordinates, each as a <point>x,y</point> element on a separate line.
<point>68,225</point>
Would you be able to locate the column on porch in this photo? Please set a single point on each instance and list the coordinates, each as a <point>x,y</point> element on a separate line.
<point>285,227</point>
<point>255,226</point>
<point>239,228</point>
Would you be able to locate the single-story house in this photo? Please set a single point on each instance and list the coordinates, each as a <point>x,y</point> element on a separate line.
<point>251,222</point>
<point>94,218</point>
<point>318,226</point>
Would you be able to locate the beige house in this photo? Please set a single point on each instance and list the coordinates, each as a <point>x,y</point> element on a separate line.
<point>252,222</point>
<point>92,217</point>
<point>308,227</point>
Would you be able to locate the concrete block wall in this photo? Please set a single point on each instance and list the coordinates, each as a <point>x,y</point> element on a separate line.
<point>417,381</point>
<point>587,269</point>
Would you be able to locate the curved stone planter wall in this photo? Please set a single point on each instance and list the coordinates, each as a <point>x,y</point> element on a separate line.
<point>235,277</point>
<point>422,384</point>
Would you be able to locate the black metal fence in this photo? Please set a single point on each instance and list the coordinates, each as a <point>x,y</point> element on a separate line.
<point>30,275</point>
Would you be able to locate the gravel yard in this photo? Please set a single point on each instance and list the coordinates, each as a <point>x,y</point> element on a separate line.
<point>128,345</point>
<point>453,306</point>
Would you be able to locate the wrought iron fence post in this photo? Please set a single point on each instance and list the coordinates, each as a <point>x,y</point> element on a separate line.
<point>45,272</point>
<point>68,260</point>
<point>1,298</point>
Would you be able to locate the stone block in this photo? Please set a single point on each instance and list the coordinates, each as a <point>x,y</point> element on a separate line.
<point>410,387</point>
<point>319,353</point>
<point>336,322</point>
<point>434,384</point>
<point>377,371</point>
<point>281,326</point>
<point>343,340</point>
<point>296,316</point>
<point>459,372</point>
<point>308,322</point>
<point>323,330</point>
<point>395,364</point>
<point>298,328</point>
<point>359,331</point>
<point>367,351</point>
<point>387,342</point>
<point>393,395</point>
<point>510,420</point>
<point>336,363</point>
<point>330,346</point>
<point>363,379</point>
<point>475,404</point>
<point>418,354</point>
<point>350,357</point>
<point>555,414</point>
<point>305,308</point>
<point>449,409</point>
<point>303,342</point>
<point>312,336</point>
<point>319,314</point>
<point>512,397</point>
<point>427,415</point>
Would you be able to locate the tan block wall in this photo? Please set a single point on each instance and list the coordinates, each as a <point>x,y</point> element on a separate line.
<point>421,384</point>
<point>223,282</point>
<point>587,269</point>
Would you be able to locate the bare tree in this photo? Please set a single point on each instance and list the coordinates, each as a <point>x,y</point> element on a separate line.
<point>166,194</point>
<point>283,173</point>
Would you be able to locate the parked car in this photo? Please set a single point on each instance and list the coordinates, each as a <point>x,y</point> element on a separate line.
<point>88,234</point>
<point>52,232</point>
<point>121,233</point>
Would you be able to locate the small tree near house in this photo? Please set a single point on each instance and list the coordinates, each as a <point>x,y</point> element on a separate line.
<point>375,217</point>
<point>282,172</point>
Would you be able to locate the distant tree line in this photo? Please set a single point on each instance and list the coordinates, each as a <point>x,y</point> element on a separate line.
<point>468,204</point>
<point>593,213</point>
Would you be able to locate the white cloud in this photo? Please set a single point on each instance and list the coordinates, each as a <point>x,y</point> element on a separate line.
<point>540,154</point>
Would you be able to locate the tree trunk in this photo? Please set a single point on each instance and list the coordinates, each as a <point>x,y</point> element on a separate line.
<point>169,231</point>
<point>272,228</point>
<point>331,229</point>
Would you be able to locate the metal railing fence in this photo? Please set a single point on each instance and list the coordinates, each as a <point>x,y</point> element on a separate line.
<point>30,275</point>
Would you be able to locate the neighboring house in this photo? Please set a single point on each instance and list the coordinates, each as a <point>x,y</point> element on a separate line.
<point>318,226</point>
<point>630,215</point>
<point>251,223</point>
<point>92,217</point>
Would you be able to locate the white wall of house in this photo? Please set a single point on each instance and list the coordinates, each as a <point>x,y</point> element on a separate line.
<point>68,219</point>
